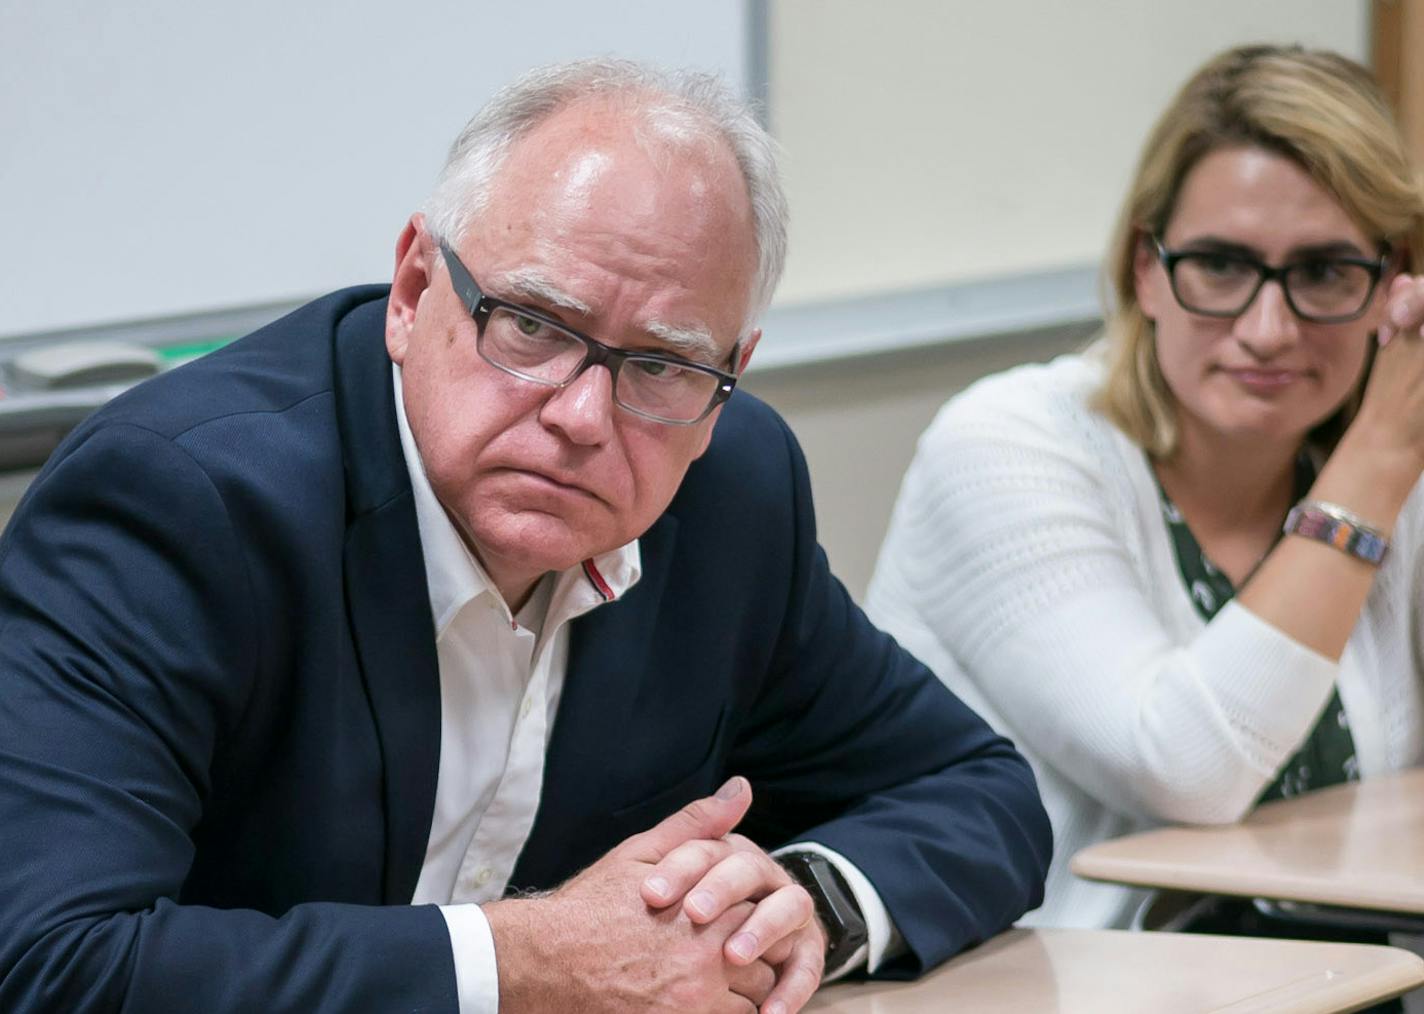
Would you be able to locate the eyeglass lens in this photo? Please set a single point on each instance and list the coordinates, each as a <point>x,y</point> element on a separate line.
<point>536,350</point>
<point>1328,289</point>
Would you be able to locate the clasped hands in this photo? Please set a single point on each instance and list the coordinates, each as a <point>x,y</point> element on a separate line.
<point>685,917</point>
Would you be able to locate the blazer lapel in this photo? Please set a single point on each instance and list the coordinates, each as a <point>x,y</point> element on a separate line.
<point>607,654</point>
<point>387,598</point>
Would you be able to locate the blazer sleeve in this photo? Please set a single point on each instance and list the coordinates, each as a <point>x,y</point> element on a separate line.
<point>858,746</point>
<point>127,649</point>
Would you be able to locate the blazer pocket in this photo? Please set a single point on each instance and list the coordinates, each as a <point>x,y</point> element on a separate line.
<point>700,779</point>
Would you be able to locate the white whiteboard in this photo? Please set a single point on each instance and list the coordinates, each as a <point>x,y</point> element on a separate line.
<point>164,157</point>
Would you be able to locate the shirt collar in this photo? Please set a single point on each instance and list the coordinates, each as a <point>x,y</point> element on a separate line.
<point>455,577</point>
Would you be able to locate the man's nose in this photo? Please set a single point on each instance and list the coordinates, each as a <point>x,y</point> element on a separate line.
<point>582,411</point>
<point>1268,326</point>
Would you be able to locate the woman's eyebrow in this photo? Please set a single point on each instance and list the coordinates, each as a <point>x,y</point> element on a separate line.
<point>1326,248</point>
<point>1217,244</point>
<point>1334,248</point>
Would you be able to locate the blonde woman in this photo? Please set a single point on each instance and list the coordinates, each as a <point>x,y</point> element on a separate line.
<point>1091,552</point>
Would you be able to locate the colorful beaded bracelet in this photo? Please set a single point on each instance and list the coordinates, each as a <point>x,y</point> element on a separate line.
<point>1334,525</point>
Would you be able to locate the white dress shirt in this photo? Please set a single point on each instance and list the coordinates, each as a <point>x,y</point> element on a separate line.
<point>500,679</point>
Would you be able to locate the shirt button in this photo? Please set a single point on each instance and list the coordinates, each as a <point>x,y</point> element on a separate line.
<point>482,878</point>
<point>524,708</point>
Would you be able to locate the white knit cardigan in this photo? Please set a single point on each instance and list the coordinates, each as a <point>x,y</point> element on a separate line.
<point>1028,564</point>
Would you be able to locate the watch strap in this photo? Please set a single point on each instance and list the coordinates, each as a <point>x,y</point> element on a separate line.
<point>839,912</point>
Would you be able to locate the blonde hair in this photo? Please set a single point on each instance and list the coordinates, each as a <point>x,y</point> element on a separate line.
<point>1320,110</point>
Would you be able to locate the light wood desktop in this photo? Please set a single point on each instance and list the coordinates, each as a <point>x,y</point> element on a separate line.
<point>1069,971</point>
<point>1359,845</point>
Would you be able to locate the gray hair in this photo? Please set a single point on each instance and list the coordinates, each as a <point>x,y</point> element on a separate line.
<point>678,107</point>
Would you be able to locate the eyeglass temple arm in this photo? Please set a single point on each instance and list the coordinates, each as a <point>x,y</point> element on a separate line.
<point>464,283</point>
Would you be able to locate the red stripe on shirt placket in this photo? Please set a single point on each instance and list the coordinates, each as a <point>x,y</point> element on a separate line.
<point>596,579</point>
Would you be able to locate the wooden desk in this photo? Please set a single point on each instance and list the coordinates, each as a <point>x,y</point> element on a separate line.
<point>1067,971</point>
<point>1359,845</point>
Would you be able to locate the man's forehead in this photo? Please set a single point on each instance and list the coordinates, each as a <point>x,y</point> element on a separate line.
<point>580,199</point>
<point>598,151</point>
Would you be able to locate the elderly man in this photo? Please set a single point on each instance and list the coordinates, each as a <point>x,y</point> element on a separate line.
<point>366,664</point>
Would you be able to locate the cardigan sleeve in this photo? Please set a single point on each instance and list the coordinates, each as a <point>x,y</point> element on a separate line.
<point>1008,560</point>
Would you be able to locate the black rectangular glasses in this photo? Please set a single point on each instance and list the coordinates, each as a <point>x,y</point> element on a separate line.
<point>529,345</point>
<point>1324,290</point>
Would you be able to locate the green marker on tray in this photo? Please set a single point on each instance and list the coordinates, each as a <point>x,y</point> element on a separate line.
<point>173,355</point>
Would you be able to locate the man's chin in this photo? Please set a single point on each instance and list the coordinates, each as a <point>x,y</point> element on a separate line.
<point>537,542</point>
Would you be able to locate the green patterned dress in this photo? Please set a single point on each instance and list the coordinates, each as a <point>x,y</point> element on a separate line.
<point>1327,757</point>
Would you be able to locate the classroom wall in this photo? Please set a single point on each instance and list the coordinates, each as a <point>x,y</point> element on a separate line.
<point>936,140</point>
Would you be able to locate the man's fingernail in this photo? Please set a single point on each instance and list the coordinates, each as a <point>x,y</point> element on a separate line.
<point>743,945</point>
<point>731,789</point>
<point>1384,334</point>
<point>701,902</point>
<point>658,886</point>
<point>775,1007</point>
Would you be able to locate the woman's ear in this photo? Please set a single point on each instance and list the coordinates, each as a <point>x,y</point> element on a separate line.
<point>1399,264</point>
<point>1145,276</point>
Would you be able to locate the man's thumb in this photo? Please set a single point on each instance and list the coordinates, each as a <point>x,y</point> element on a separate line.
<point>710,817</point>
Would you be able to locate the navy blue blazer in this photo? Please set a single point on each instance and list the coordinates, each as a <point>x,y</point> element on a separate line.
<point>219,700</point>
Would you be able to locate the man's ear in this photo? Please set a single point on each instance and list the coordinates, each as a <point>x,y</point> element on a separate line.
<point>745,350</point>
<point>412,278</point>
<point>744,356</point>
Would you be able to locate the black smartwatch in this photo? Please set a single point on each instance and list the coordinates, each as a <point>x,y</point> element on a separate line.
<point>835,904</point>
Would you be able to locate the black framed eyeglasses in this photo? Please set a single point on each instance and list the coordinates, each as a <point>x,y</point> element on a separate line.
<point>1321,289</point>
<point>529,345</point>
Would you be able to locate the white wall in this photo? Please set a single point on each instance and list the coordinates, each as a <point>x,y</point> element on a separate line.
<point>170,156</point>
<point>938,140</point>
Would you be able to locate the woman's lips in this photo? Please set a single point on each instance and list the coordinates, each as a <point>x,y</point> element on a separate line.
<point>1261,381</point>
